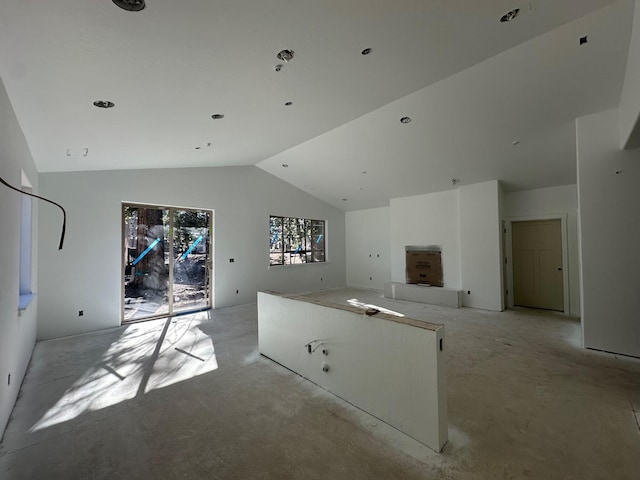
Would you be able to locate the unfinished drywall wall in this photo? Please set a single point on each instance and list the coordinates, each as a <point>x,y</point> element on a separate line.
<point>390,367</point>
<point>629,112</point>
<point>480,240</point>
<point>17,333</point>
<point>609,209</point>
<point>87,275</point>
<point>430,219</point>
<point>544,203</point>
<point>466,223</point>
<point>368,243</point>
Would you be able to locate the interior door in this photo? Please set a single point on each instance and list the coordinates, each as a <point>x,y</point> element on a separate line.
<point>537,264</point>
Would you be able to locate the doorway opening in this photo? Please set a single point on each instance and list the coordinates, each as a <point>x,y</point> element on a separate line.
<point>167,261</point>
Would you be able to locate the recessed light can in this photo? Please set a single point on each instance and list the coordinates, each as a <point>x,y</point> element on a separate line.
<point>217,116</point>
<point>507,17</point>
<point>104,104</point>
<point>366,51</point>
<point>285,55</point>
<point>288,104</point>
<point>405,120</point>
<point>130,5</point>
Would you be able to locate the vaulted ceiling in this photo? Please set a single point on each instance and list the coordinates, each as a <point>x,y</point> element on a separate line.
<point>487,99</point>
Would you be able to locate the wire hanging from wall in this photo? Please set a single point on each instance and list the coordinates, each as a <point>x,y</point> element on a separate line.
<point>64,213</point>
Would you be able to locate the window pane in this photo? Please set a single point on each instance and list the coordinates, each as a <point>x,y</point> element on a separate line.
<point>318,256</point>
<point>276,245</point>
<point>191,253</point>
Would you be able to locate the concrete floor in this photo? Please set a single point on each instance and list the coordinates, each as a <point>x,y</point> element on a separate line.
<point>190,398</point>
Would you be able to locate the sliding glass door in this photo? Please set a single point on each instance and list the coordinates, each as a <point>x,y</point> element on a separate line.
<point>167,261</point>
<point>192,260</point>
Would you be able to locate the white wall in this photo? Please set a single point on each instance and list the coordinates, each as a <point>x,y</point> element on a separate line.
<point>368,246</point>
<point>392,368</point>
<point>430,219</point>
<point>86,275</point>
<point>630,97</point>
<point>466,223</point>
<point>544,202</point>
<point>17,333</point>
<point>480,241</point>
<point>609,209</point>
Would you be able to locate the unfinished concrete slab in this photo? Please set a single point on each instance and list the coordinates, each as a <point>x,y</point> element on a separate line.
<point>191,398</point>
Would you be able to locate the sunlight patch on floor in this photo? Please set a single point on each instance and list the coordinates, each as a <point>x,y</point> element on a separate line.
<point>357,303</point>
<point>146,357</point>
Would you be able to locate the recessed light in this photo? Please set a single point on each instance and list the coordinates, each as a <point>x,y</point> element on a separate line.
<point>217,116</point>
<point>344,199</point>
<point>104,104</point>
<point>507,17</point>
<point>405,120</point>
<point>285,55</point>
<point>198,148</point>
<point>364,172</point>
<point>288,104</point>
<point>278,67</point>
<point>130,5</point>
<point>515,142</point>
<point>584,40</point>
<point>285,165</point>
<point>366,51</point>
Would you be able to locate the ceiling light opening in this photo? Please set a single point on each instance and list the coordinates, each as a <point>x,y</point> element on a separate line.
<point>130,5</point>
<point>366,51</point>
<point>507,17</point>
<point>104,104</point>
<point>278,67</point>
<point>285,165</point>
<point>584,40</point>
<point>217,116</point>
<point>405,120</point>
<point>288,104</point>
<point>285,55</point>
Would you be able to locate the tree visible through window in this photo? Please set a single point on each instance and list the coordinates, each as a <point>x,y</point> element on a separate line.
<point>296,240</point>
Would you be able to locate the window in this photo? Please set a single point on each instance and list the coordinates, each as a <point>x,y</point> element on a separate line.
<point>26,226</point>
<point>296,241</point>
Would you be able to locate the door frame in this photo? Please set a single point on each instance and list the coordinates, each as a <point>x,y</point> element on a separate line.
<point>123,258</point>
<point>565,254</point>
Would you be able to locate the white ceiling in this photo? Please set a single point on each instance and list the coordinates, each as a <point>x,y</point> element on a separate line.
<point>471,85</point>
